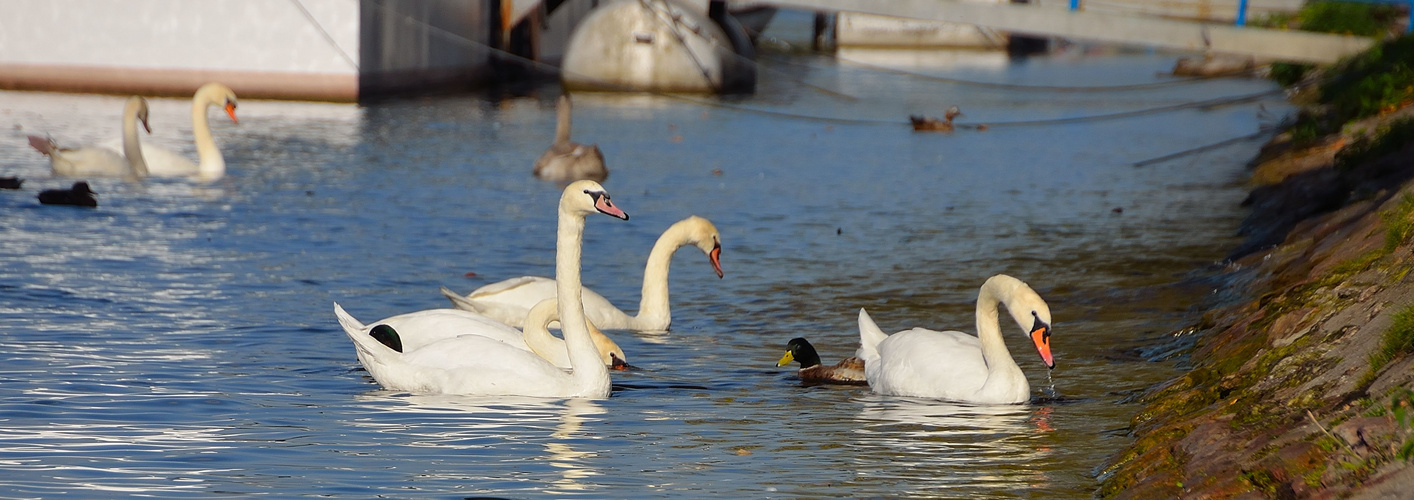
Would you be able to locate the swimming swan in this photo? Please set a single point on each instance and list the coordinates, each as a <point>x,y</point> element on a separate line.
<point>509,300</point>
<point>163,162</point>
<point>476,365</point>
<point>567,160</point>
<point>954,365</point>
<point>102,161</point>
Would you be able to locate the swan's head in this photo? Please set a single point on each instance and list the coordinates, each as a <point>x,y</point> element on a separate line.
<point>704,235</point>
<point>221,96</point>
<point>137,106</point>
<point>609,351</point>
<point>1032,313</point>
<point>587,197</point>
<point>799,349</point>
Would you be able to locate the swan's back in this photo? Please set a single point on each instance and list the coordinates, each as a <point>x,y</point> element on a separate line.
<point>510,300</point>
<point>922,362</point>
<point>89,161</point>
<point>571,161</point>
<point>421,328</point>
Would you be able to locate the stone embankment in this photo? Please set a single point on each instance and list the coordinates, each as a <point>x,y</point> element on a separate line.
<point>1302,389</point>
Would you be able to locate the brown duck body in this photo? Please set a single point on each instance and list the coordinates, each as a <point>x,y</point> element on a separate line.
<point>849,371</point>
<point>926,123</point>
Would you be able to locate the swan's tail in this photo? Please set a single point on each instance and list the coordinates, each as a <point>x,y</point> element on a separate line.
<point>354,329</point>
<point>351,326</point>
<point>43,144</point>
<point>869,338</point>
<point>460,302</point>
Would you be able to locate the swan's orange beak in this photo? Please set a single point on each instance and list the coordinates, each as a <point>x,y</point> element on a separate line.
<point>1041,336</point>
<point>602,203</point>
<point>716,257</point>
<point>231,110</point>
<point>618,364</point>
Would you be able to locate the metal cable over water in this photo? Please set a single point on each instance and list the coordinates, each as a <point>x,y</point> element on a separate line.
<point>1210,103</point>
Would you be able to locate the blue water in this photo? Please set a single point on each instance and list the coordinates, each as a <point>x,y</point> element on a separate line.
<point>178,340</point>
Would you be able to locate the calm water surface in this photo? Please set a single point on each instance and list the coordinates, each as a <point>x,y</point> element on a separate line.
<point>179,341</point>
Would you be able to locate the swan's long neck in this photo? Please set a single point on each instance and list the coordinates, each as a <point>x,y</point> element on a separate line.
<point>590,377</point>
<point>537,335</point>
<point>210,164</point>
<point>132,147</point>
<point>654,313</point>
<point>1002,370</point>
<point>562,121</point>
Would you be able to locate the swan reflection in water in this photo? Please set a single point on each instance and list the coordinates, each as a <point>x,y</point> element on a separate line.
<point>502,428</point>
<point>930,446</point>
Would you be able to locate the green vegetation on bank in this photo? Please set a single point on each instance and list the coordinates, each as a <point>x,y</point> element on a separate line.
<point>1346,18</point>
<point>1376,81</point>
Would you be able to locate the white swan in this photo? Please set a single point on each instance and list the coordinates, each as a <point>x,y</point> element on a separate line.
<point>416,330</point>
<point>102,161</point>
<point>476,365</point>
<point>954,365</point>
<point>163,162</point>
<point>509,300</point>
<point>567,160</point>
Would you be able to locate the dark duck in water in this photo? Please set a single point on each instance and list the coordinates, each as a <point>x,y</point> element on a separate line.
<point>927,123</point>
<point>80,195</point>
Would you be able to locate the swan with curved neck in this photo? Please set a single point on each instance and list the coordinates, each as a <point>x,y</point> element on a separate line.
<point>476,365</point>
<point>954,365</point>
<point>567,160</point>
<point>510,300</point>
<point>538,337</point>
<point>102,161</point>
<point>210,164</point>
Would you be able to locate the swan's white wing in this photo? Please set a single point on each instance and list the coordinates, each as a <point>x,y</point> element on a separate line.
<point>928,363</point>
<point>89,161</point>
<point>509,301</point>
<point>161,162</point>
<point>418,329</point>
<point>473,364</point>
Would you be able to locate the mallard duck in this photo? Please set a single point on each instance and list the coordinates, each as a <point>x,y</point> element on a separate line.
<point>850,371</point>
<point>925,123</point>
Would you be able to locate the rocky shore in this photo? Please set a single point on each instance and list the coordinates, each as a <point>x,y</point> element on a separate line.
<point>1302,389</point>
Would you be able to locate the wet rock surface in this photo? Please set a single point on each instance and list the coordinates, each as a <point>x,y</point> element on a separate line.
<point>1298,389</point>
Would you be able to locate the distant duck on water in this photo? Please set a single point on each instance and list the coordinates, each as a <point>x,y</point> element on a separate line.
<point>927,123</point>
<point>11,182</point>
<point>566,160</point>
<point>80,195</point>
<point>849,371</point>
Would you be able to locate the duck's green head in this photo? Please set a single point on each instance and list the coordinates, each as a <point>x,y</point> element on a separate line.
<point>799,349</point>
